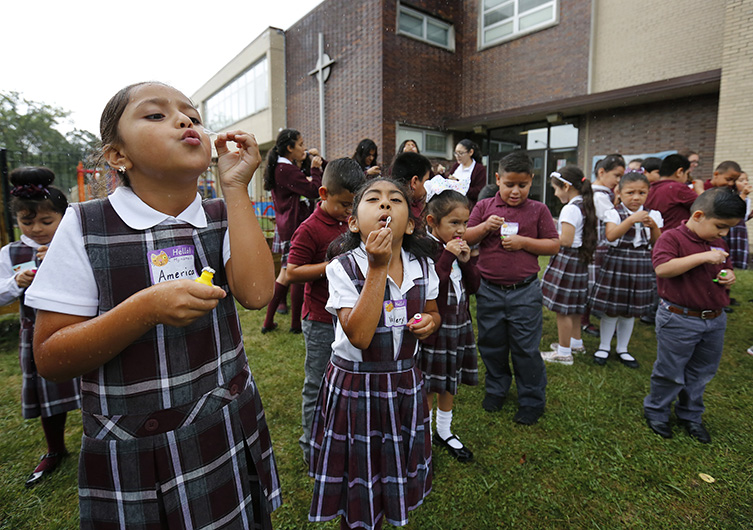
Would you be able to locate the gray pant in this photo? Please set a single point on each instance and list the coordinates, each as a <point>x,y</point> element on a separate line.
<point>319,337</point>
<point>509,325</point>
<point>688,351</point>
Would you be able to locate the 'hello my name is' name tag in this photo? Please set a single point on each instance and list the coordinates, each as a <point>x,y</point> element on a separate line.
<point>174,263</point>
<point>395,313</point>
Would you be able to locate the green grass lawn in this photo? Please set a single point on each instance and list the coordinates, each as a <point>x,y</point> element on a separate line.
<point>590,462</point>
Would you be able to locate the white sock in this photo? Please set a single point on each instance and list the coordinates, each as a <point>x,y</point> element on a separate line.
<point>561,350</point>
<point>624,331</point>
<point>444,422</point>
<point>576,343</point>
<point>606,332</point>
<point>431,414</point>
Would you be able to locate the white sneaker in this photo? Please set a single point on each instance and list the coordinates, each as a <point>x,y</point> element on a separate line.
<point>750,350</point>
<point>580,351</point>
<point>554,357</point>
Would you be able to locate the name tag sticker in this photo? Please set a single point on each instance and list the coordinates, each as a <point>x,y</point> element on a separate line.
<point>508,229</point>
<point>720,249</point>
<point>174,263</point>
<point>28,266</point>
<point>395,313</point>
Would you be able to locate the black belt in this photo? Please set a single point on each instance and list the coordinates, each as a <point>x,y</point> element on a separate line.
<point>519,285</point>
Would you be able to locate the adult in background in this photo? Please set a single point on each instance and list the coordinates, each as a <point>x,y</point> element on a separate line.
<point>468,169</point>
<point>366,155</point>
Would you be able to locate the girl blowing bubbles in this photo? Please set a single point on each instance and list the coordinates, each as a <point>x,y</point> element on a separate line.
<point>38,208</point>
<point>174,430</point>
<point>565,282</point>
<point>371,448</point>
<point>625,285</point>
<point>448,357</point>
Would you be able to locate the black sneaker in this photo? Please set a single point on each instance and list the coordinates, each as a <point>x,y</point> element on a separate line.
<point>528,415</point>
<point>493,402</point>
<point>697,430</point>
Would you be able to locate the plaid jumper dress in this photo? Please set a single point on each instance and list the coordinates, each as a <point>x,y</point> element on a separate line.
<point>564,285</point>
<point>174,430</point>
<point>371,447</point>
<point>626,281</point>
<point>737,239</point>
<point>39,397</point>
<point>601,243</point>
<point>448,356</point>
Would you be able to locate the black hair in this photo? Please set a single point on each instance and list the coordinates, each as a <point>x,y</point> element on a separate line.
<point>633,176</point>
<point>443,203</point>
<point>470,144</point>
<point>729,165</point>
<point>417,243</point>
<point>720,203</point>
<point>32,192</point>
<point>577,179</point>
<point>286,140</point>
<point>639,160</point>
<point>408,165</point>
<point>609,162</point>
<point>516,162</point>
<point>401,147</point>
<point>363,150</point>
<point>490,190</point>
<point>672,163</point>
<point>651,163</point>
<point>343,174</point>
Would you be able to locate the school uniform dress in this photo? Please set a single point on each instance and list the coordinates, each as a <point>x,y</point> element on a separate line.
<point>737,239</point>
<point>174,429</point>
<point>448,357</point>
<point>626,281</point>
<point>690,327</point>
<point>293,197</point>
<point>39,397</point>
<point>564,286</point>
<point>603,202</point>
<point>371,446</point>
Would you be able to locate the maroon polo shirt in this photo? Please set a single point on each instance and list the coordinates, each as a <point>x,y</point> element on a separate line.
<point>309,246</point>
<point>694,289</point>
<point>506,267</point>
<point>290,185</point>
<point>673,199</point>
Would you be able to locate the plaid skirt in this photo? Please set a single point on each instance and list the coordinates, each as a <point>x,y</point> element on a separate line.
<point>370,441</point>
<point>206,465</point>
<point>448,358</point>
<point>625,285</point>
<point>40,397</point>
<point>737,239</point>
<point>593,268</point>
<point>564,285</point>
<point>281,247</point>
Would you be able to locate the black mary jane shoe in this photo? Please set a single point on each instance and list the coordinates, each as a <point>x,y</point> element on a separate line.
<point>601,361</point>
<point>461,455</point>
<point>630,363</point>
<point>53,461</point>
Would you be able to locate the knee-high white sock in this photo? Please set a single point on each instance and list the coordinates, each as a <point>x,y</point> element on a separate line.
<point>444,422</point>
<point>624,332</point>
<point>606,332</point>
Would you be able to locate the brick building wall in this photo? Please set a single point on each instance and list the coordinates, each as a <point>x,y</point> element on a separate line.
<point>736,92</point>
<point>687,123</point>
<point>544,66</point>
<point>353,100</point>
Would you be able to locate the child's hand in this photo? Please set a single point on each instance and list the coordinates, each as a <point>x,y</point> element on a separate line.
<point>42,252</point>
<point>316,161</point>
<point>24,278</point>
<point>716,257</point>
<point>726,277</point>
<point>746,191</point>
<point>640,217</point>
<point>513,242</point>
<point>379,247</point>
<point>423,328</point>
<point>237,167</point>
<point>180,302</point>
<point>493,223</point>
<point>460,249</point>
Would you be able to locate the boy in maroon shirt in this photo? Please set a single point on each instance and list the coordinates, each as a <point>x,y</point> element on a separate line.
<point>512,232</point>
<point>693,276</point>
<point>307,263</point>
<point>670,194</point>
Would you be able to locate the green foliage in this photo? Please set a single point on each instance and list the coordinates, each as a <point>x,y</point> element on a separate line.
<point>590,462</point>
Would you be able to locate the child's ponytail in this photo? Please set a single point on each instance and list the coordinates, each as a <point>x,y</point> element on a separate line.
<point>285,141</point>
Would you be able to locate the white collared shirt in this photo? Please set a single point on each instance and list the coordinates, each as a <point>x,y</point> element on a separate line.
<point>65,281</point>
<point>572,215</point>
<point>643,234</point>
<point>342,293</point>
<point>9,289</point>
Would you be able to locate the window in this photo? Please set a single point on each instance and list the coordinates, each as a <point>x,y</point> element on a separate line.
<point>247,94</point>
<point>425,28</point>
<point>503,20</point>
<point>430,143</point>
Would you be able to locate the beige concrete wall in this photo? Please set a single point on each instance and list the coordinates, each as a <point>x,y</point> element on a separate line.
<point>641,41</point>
<point>265,124</point>
<point>735,119</point>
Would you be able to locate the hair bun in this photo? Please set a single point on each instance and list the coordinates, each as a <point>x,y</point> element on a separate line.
<point>32,175</point>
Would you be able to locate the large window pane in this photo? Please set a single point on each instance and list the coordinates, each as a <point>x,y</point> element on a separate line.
<point>502,19</point>
<point>536,18</point>
<point>437,34</point>
<point>435,143</point>
<point>498,15</point>
<point>527,5</point>
<point>499,32</point>
<point>242,97</point>
<point>411,24</point>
